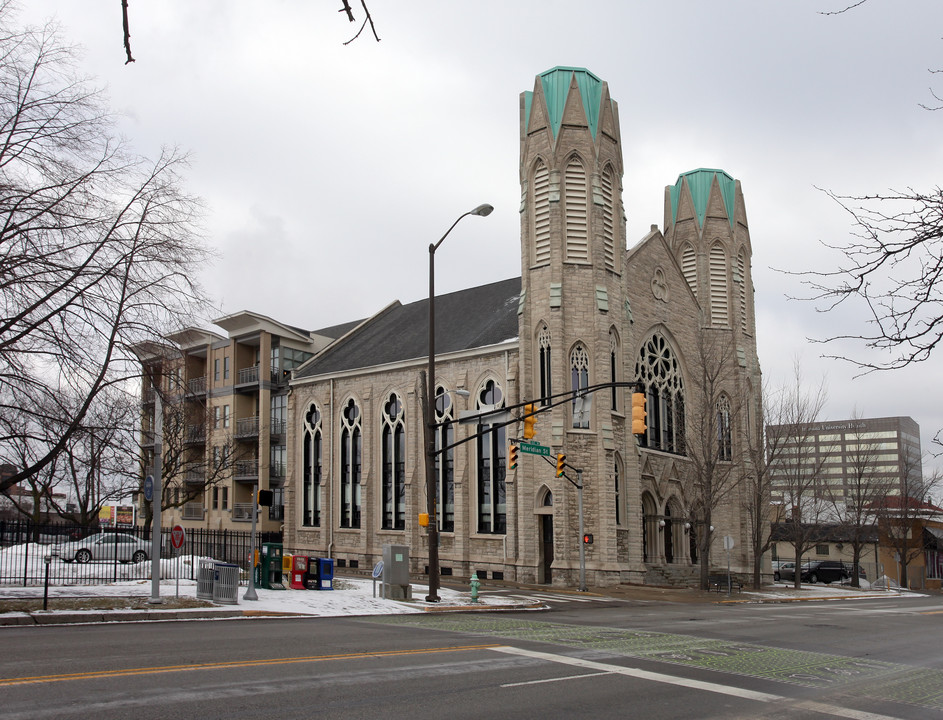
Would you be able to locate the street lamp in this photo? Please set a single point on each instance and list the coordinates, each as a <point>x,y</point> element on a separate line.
<point>433,596</point>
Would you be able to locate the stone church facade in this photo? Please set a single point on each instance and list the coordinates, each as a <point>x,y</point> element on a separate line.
<point>586,311</point>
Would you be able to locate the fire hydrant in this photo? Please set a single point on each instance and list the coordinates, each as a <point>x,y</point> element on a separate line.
<point>475,584</point>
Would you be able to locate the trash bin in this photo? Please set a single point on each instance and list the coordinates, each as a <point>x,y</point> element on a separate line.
<point>205,579</point>
<point>313,578</point>
<point>325,574</point>
<point>270,571</point>
<point>226,583</point>
<point>299,572</point>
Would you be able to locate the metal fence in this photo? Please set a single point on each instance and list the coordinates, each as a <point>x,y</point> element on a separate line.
<point>89,556</point>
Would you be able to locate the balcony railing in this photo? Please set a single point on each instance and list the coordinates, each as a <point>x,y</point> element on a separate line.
<point>246,469</point>
<point>196,433</point>
<point>194,475</point>
<point>193,511</point>
<point>197,386</point>
<point>247,427</point>
<point>242,512</point>
<point>248,375</point>
<point>278,427</point>
<point>277,470</point>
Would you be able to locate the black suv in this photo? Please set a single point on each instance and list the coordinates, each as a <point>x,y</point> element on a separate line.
<point>827,571</point>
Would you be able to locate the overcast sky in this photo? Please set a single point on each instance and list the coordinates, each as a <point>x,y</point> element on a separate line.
<point>328,169</point>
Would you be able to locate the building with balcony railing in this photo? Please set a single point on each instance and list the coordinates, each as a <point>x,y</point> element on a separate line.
<point>224,398</point>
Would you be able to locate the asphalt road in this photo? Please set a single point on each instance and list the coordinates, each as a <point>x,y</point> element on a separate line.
<point>867,659</point>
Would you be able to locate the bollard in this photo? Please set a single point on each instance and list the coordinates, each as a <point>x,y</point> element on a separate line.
<point>475,584</point>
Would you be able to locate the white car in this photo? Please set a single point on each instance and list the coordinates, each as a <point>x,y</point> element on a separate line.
<point>105,546</point>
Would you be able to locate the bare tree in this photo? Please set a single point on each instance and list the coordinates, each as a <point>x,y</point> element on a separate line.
<point>865,484</point>
<point>901,514</point>
<point>794,463</point>
<point>98,248</point>
<point>715,465</point>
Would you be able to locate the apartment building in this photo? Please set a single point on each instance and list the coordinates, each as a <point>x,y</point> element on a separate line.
<point>223,403</point>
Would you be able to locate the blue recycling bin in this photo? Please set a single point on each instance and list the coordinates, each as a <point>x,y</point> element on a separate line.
<point>325,574</point>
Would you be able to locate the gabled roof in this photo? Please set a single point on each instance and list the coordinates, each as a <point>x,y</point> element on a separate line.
<point>246,322</point>
<point>699,182</point>
<point>467,319</point>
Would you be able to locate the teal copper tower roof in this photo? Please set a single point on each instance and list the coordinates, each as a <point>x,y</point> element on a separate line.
<point>556,85</point>
<point>699,181</point>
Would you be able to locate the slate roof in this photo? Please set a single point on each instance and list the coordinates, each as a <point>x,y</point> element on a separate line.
<point>467,319</point>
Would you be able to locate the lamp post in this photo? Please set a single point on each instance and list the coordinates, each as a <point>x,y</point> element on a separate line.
<point>433,596</point>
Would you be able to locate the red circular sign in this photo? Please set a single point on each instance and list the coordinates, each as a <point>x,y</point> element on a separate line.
<point>178,536</point>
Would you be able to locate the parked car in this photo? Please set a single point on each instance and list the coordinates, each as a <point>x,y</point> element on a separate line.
<point>826,571</point>
<point>104,546</point>
<point>785,571</point>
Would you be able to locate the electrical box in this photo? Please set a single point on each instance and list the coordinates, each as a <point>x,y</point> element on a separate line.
<point>396,572</point>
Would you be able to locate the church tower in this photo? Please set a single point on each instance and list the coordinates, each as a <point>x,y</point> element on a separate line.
<point>571,319</point>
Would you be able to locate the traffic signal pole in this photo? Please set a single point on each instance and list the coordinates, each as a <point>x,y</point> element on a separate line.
<point>579,494</point>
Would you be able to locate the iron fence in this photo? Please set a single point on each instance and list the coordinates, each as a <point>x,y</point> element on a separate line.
<point>88,556</point>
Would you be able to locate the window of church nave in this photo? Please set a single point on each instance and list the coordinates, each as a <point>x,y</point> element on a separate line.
<point>579,379</point>
<point>311,468</point>
<point>393,454</point>
<point>658,371</point>
<point>444,461</point>
<point>543,361</point>
<point>351,458</point>
<point>492,450</point>
<point>615,368</point>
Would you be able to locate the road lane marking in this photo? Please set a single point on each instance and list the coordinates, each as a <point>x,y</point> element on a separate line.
<point>129,672</point>
<point>559,679</point>
<point>608,669</point>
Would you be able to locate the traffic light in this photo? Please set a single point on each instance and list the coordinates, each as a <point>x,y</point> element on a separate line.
<point>561,463</point>
<point>587,538</point>
<point>638,414</point>
<point>530,420</point>
<point>266,498</point>
<point>512,457</point>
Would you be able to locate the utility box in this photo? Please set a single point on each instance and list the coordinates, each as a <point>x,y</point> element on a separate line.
<point>396,572</point>
<point>270,568</point>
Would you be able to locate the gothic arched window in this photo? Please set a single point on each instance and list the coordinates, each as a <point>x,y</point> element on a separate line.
<point>393,454</point>
<point>658,370</point>
<point>444,461</point>
<point>311,468</point>
<point>577,224</point>
<point>543,361</point>
<point>492,450</point>
<point>724,443</point>
<point>579,379</point>
<point>351,458</point>
<point>541,220</point>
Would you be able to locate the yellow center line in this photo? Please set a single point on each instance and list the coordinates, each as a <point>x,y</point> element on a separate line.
<point>7,682</point>
<point>932,612</point>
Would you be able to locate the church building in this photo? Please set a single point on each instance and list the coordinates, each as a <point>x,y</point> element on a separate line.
<point>671,316</point>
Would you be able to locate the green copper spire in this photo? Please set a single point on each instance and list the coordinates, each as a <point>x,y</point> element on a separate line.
<point>556,85</point>
<point>699,181</point>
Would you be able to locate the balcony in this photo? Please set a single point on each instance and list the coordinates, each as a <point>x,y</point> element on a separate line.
<point>277,470</point>
<point>194,475</point>
<point>246,470</point>
<point>192,511</point>
<point>247,427</point>
<point>242,512</point>
<point>248,375</point>
<point>278,427</point>
<point>197,386</point>
<point>195,434</point>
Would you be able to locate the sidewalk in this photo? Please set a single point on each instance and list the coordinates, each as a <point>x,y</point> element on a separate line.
<point>129,601</point>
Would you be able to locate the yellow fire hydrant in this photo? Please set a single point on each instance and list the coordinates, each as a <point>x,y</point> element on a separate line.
<point>475,584</point>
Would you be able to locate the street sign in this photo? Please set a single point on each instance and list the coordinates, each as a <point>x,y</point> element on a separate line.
<point>178,536</point>
<point>149,488</point>
<point>728,542</point>
<point>534,449</point>
<point>378,569</point>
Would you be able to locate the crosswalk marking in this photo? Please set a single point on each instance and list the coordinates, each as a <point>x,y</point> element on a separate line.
<point>547,597</point>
